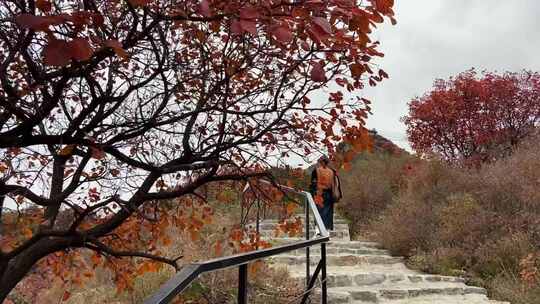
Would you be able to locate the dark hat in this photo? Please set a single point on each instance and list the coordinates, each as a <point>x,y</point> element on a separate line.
<point>324,159</point>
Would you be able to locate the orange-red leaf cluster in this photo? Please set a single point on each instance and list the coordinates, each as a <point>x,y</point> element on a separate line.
<point>475,118</point>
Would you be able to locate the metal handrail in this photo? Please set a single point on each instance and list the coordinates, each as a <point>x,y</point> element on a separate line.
<point>190,272</point>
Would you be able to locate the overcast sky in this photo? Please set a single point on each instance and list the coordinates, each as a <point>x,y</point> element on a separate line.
<point>440,38</point>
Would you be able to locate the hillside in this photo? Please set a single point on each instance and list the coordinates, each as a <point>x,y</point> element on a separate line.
<point>382,144</point>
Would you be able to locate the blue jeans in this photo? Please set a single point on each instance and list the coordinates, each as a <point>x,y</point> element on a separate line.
<point>327,210</point>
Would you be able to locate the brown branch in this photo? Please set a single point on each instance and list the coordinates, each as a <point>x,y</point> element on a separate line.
<point>27,193</point>
<point>102,248</point>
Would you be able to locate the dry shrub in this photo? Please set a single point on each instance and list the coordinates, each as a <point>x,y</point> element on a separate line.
<point>369,187</point>
<point>405,230</point>
<point>460,220</point>
<point>509,287</point>
<point>480,223</point>
<point>444,260</point>
<point>265,286</point>
<point>411,220</point>
<point>502,255</point>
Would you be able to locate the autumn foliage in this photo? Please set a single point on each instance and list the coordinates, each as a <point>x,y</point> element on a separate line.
<point>475,117</point>
<point>110,108</point>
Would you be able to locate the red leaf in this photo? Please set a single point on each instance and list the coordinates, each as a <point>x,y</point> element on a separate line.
<point>249,12</point>
<point>317,34</point>
<point>384,6</point>
<point>36,23</point>
<point>115,172</point>
<point>341,82</point>
<point>204,8</point>
<point>249,26</point>
<point>43,5</point>
<point>359,23</point>
<point>66,296</point>
<point>59,19</point>
<point>80,19</point>
<point>138,3</point>
<point>305,46</point>
<point>376,17</point>
<point>236,28</point>
<point>357,70</point>
<point>80,49</point>
<point>98,19</point>
<point>323,25</point>
<point>283,34</point>
<point>317,72</point>
<point>57,53</point>
<point>241,26</point>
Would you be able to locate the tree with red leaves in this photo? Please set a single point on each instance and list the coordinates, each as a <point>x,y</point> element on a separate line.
<point>109,108</point>
<point>475,118</point>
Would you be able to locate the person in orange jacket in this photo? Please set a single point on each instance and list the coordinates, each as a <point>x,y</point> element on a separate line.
<point>326,189</point>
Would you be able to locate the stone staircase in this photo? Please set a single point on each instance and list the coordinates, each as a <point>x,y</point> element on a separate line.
<point>361,272</point>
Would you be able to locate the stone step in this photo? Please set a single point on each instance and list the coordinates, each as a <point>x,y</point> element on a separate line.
<point>331,244</point>
<point>335,234</point>
<point>374,278</point>
<point>337,250</point>
<point>311,229</point>
<point>393,269</point>
<point>429,299</point>
<point>274,225</point>
<point>337,260</point>
<point>340,222</point>
<point>387,292</point>
<point>442,299</point>
<point>337,220</point>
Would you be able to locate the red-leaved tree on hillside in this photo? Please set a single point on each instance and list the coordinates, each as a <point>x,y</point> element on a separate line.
<point>475,118</point>
<point>108,108</point>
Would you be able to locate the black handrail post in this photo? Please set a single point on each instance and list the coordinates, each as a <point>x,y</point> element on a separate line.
<point>311,283</point>
<point>258,221</point>
<point>307,238</point>
<point>242,284</point>
<point>323,273</point>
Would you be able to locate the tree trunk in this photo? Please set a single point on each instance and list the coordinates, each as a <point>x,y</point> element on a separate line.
<point>2,197</point>
<point>11,275</point>
<point>14,270</point>
<point>57,185</point>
